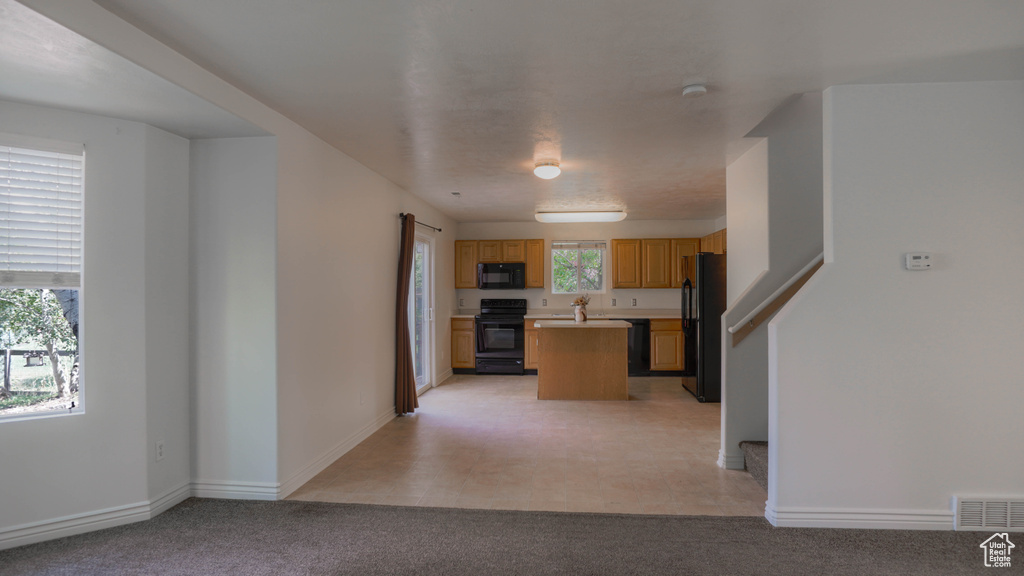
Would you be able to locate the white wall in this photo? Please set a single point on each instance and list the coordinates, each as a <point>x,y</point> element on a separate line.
<point>234,358</point>
<point>747,205</point>
<point>69,473</point>
<point>892,391</point>
<point>292,276</point>
<point>646,299</point>
<point>744,414</point>
<point>314,182</point>
<point>337,247</point>
<point>774,201</point>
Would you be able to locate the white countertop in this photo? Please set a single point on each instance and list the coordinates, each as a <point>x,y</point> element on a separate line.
<point>608,315</point>
<point>615,314</point>
<point>587,324</point>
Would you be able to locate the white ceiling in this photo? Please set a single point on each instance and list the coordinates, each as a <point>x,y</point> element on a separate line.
<point>44,63</point>
<point>445,96</point>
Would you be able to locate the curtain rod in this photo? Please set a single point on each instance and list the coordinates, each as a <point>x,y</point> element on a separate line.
<point>402,216</point>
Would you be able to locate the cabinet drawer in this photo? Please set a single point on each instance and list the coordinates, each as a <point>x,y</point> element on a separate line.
<point>463,324</point>
<point>666,324</point>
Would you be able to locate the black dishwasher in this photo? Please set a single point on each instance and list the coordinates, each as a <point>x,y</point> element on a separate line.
<point>639,346</point>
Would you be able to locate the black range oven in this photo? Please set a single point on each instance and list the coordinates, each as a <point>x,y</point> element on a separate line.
<point>500,336</point>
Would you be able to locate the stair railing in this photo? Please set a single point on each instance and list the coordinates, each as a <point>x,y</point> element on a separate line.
<point>758,315</point>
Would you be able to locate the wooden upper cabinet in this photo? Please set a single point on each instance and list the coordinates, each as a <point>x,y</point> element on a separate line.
<point>714,242</point>
<point>535,263</point>
<point>657,263</point>
<point>684,263</point>
<point>465,263</point>
<point>626,257</point>
<point>513,250</point>
<point>468,253</point>
<point>723,231</point>
<point>488,250</point>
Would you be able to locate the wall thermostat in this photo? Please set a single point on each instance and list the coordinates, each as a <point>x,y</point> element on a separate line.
<point>919,261</point>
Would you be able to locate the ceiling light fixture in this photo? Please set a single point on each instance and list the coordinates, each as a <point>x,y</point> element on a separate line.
<point>556,217</point>
<point>694,91</point>
<point>547,170</point>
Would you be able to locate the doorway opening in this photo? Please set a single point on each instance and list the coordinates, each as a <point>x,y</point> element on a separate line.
<point>421,312</point>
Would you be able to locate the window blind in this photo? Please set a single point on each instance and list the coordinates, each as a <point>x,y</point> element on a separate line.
<point>40,217</point>
<point>578,244</point>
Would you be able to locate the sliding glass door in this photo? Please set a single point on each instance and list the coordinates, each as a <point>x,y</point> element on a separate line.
<point>421,312</point>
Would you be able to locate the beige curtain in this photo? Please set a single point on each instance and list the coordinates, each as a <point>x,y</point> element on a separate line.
<point>405,374</point>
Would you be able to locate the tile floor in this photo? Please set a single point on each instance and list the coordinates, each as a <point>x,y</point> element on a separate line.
<point>487,442</point>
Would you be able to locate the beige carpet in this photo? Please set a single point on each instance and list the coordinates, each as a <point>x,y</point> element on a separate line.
<point>214,537</point>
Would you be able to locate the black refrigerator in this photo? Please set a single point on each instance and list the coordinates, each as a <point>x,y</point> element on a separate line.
<point>703,306</point>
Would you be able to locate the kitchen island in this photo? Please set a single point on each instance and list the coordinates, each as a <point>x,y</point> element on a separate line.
<point>582,361</point>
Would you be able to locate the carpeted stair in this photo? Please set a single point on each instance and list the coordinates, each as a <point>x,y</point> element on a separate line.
<point>756,456</point>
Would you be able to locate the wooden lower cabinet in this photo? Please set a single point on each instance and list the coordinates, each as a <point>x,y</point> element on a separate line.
<point>666,345</point>
<point>463,343</point>
<point>531,351</point>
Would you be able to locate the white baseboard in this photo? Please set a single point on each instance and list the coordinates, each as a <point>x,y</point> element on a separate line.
<point>872,519</point>
<point>327,458</point>
<point>234,490</point>
<point>169,499</point>
<point>731,460</point>
<point>444,376</point>
<point>90,521</point>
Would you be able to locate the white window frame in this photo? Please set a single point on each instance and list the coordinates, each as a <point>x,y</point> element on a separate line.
<point>581,245</point>
<point>62,274</point>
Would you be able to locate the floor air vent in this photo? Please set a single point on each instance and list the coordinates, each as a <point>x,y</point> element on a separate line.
<point>990,514</point>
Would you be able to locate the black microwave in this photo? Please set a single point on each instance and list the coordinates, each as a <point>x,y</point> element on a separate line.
<point>501,276</point>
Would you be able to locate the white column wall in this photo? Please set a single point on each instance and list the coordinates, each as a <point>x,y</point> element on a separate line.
<point>71,473</point>
<point>774,201</point>
<point>167,320</point>
<point>234,331</point>
<point>891,390</point>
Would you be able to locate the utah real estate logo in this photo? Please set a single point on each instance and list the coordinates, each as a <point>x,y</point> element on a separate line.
<point>997,550</point>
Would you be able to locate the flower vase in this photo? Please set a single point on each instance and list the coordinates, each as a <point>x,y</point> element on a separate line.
<point>581,314</point>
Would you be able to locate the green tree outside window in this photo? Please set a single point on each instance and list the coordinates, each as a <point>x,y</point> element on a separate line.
<point>576,269</point>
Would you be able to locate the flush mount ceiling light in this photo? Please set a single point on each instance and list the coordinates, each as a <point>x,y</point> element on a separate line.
<point>547,170</point>
<point>555,217</point>
<point>694,91</point>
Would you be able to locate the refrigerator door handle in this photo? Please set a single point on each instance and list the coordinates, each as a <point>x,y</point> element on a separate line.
<point>687,303</point>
